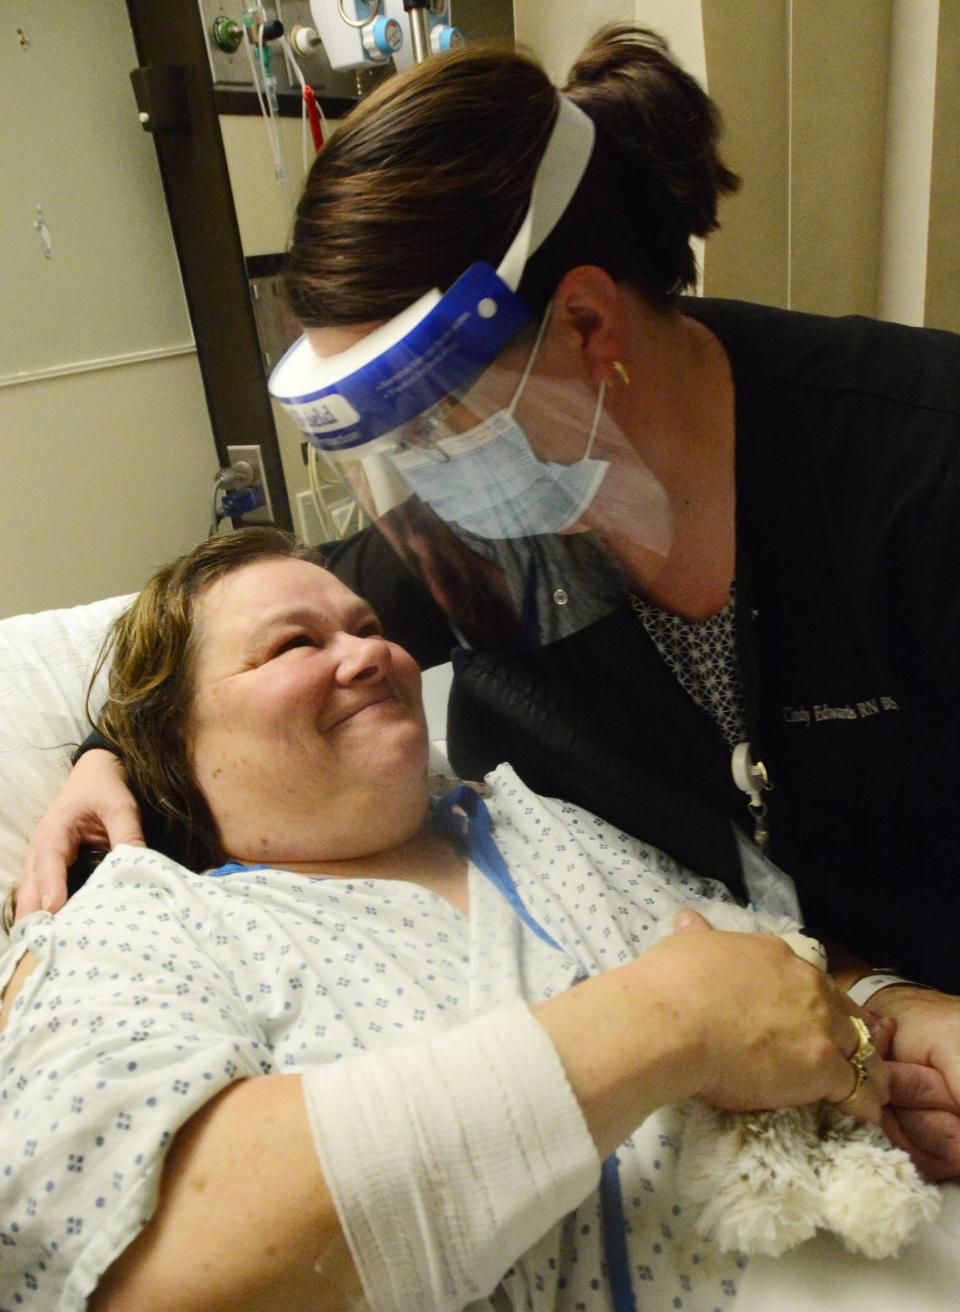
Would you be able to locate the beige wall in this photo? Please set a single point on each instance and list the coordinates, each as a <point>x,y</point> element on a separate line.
<point>840,73</point>
<point>556,32</point>
<point>943,250</point>
<point>803,90</point>
<point>106,475</point>
<point>746,45</point>
<point>107,449</point>
<point>264,206</point>
<point>70,143</point>
<point>833,114</point>
<point>830,116</point>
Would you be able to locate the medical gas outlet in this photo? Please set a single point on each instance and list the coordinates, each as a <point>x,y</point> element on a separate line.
<point>382,38</point>
<point>227,33</point>
<point>361,33</point>
<point>444,38</point>
<point>442,35</point>
<point>355,33</point>
<point>305,40</point>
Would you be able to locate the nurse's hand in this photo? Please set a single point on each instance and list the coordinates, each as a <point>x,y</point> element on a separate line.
<point>923,1117</point>
<point>94,807</point>
<point>734,1019</point>
<point>778,1030</point>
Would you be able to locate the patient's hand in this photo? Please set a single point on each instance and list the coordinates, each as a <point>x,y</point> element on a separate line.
<point>924,1112</point>
<point>94,806</point>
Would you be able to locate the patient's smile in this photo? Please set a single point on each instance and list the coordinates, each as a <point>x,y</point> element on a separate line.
<point>387,702</point>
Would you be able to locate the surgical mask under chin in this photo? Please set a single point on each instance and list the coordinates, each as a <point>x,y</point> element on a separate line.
<point>492,484</point>
<point>490,481</point>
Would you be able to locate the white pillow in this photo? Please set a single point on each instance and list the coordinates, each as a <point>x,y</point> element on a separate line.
<point>45,665</point>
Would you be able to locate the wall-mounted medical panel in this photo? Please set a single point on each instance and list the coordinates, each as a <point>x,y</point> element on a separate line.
<point>225,21</point>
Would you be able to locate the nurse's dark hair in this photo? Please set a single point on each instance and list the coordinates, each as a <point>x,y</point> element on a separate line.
<point>150,651</point>
<point>433,172</point>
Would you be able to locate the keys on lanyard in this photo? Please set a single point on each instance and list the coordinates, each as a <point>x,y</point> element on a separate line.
<point>751,778</point>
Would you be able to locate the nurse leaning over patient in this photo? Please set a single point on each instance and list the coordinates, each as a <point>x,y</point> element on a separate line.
<point>700,559</point>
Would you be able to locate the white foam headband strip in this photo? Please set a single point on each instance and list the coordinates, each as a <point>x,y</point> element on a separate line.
<point>558,176</point>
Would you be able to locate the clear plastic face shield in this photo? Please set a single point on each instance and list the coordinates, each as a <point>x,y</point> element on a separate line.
<point>498,480</point>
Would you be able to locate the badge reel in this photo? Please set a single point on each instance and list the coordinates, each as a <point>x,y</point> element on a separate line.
<point>751,778</point>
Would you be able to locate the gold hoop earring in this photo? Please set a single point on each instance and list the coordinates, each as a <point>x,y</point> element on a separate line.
<point>620,369</point>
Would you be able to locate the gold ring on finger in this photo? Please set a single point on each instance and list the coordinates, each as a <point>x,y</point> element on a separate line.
<point>863,1053</point>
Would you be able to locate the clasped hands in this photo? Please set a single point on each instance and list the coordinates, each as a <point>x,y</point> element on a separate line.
<point>922,1047</point>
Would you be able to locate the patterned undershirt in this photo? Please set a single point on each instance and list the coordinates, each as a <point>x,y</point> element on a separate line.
<point>702,655</point>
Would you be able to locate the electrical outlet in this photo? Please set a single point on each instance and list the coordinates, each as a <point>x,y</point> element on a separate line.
<point>263,514</point>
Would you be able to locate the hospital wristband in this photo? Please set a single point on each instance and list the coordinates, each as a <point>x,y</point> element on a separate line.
<point>863,990</point>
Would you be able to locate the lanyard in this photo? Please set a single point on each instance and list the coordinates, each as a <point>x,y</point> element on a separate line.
<point>234,868</point>
<point>464,814</point>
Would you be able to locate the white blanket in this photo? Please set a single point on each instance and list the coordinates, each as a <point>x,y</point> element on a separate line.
<point>821,1274</point>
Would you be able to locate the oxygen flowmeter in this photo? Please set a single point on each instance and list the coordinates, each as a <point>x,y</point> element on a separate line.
<point>382,38</point>
<point>356,33</point>
<point>361,33</point>
<point>431,31</point>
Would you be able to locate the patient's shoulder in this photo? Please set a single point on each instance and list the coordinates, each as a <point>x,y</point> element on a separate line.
<point>25,966</point>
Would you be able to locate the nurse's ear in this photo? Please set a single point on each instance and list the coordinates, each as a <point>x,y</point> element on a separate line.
<point>588,322</point>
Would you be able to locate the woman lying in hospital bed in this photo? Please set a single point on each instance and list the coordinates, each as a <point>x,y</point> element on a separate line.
<point>350,1062</point>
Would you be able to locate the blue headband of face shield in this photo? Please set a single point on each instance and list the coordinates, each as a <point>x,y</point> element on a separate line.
<point>441,343</point>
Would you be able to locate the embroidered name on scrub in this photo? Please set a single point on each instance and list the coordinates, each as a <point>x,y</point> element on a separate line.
<point>818,713</point>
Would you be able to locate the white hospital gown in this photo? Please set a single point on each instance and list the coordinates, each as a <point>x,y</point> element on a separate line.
<point>156,988</point>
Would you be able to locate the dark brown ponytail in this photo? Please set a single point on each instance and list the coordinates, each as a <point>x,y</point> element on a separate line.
<point>658,115</point>
<point>655,178</point>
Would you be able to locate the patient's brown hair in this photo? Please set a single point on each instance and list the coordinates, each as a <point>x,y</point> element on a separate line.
<point>151,650</point>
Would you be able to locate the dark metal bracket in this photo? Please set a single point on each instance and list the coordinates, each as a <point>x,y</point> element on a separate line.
<point>174,90</point>
<point>162,98</point>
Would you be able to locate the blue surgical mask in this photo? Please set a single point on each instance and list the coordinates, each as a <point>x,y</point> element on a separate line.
<point>490,481</point>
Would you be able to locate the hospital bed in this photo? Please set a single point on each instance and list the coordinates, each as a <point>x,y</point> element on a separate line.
<point>45,664</point>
